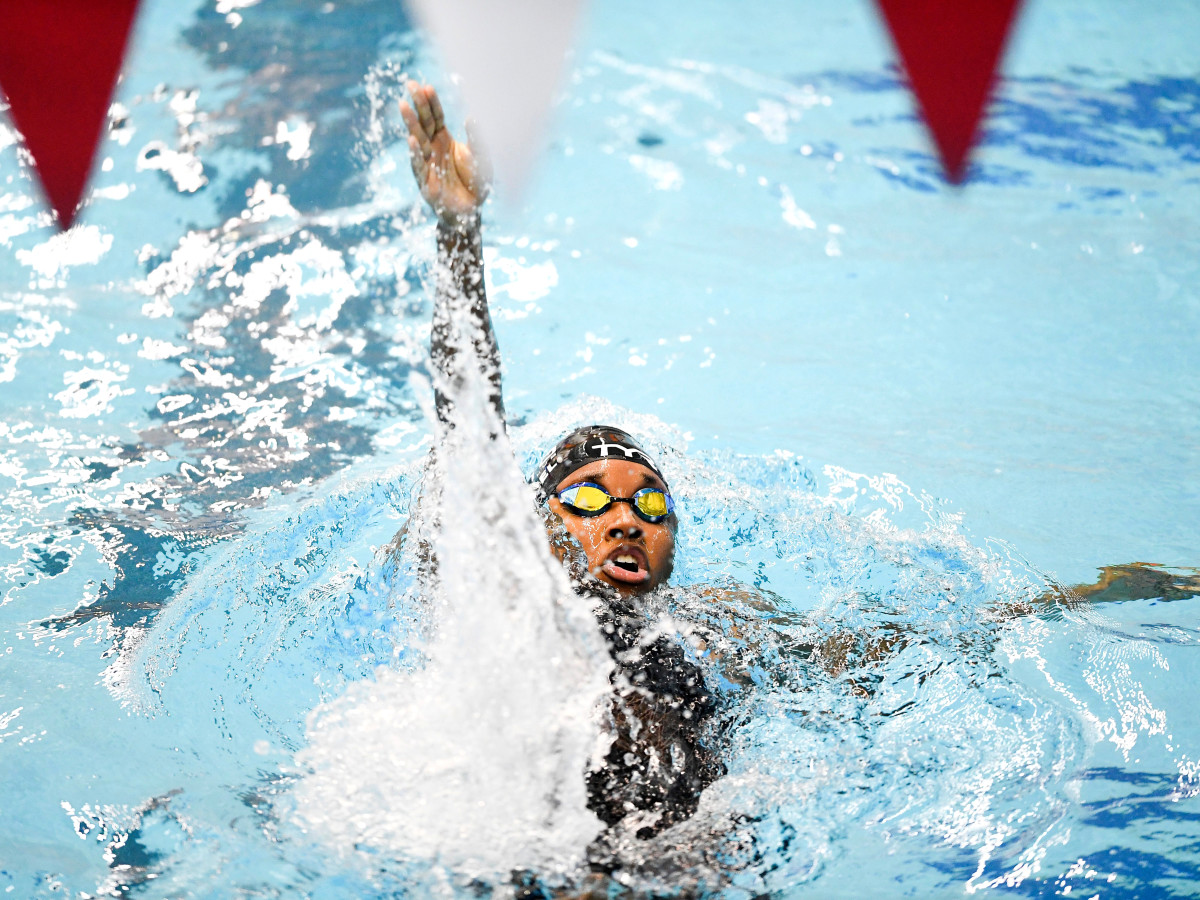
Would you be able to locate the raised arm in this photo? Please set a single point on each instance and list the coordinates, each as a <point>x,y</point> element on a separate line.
<point>453,183</point>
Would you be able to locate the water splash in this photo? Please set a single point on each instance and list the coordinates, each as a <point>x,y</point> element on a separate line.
<point>876,695</point>
<point>473,763</point>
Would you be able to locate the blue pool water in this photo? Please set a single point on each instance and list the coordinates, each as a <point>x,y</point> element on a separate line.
<point>896,407</point>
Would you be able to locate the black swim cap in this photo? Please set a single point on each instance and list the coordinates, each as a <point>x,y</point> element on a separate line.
<point>586,445</point>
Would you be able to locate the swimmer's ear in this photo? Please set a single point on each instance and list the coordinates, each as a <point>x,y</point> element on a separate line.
<point>480,160</point>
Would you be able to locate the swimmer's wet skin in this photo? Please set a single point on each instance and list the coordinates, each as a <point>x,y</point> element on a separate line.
<point>613,500</point>
<point>611,521</point>
<point>605,497</point>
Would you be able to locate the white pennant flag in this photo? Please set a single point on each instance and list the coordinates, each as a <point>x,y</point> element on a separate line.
<point>509,57</point>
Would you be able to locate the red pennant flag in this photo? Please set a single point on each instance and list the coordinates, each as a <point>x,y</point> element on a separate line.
<point>59,60</point>
<point>950,50</point>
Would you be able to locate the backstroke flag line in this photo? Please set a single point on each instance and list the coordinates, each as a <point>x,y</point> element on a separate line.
<point>59,61</point>
<point>509,55</point>
<point>950,50</point>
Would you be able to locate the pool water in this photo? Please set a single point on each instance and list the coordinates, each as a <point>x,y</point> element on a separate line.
<point>890,407</point>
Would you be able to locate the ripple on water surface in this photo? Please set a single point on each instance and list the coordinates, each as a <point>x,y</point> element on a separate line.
<point>898,710</point>
<point>873,666</point>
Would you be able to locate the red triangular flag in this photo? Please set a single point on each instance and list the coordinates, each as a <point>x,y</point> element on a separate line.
<point>59,60</point>
<point>950,50</point>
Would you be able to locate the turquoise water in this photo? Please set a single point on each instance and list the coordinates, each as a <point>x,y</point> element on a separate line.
<point>892,405</point>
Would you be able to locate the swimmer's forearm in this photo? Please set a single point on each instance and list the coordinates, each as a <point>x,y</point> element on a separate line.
<point>461,311</point>
<point>1116,584</point>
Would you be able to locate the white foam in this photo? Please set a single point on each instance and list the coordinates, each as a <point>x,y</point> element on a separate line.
<point>474,764</point>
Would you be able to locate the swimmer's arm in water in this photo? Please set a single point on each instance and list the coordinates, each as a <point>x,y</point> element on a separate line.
<point>745,610</point>
<point>840,651</point>
<point>1132,581</point>
<point>453,181</point>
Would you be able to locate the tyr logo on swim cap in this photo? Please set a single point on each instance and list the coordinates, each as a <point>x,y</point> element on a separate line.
<point>586,445</point>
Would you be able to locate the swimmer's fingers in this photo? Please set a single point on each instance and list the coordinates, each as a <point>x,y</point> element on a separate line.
<point>473,164</point>
<point>432,184</point>
<point>409,116</point>
<point>421,151</point>
<point>420,168</point>
<point>438,144</point>
<point>421,105</point>
<point>435,109</point>
<point>448,172</point>
<point>412,123</point>
<point>412,113</point>
<point>419,159</point>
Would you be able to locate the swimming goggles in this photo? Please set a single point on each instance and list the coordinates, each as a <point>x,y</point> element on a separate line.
<point>587,499</point>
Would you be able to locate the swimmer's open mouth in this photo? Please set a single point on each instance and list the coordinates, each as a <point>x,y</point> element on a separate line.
<point>627,564</point>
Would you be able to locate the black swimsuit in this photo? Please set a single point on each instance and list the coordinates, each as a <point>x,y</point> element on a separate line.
<point>657,764</point>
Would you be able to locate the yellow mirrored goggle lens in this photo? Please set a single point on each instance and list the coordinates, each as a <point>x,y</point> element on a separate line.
<point>652,503</point>
<point>587,498</point>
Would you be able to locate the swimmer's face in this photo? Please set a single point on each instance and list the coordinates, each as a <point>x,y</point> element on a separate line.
<point>624,551</point>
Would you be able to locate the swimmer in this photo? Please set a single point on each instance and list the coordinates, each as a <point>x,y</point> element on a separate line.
<point>612,521</point>
<point>609,513</point>
<point>599,483</point>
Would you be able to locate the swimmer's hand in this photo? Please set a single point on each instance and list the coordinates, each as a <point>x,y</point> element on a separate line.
<point>450,174</point>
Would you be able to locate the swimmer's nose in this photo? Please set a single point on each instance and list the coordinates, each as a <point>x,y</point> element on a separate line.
<point>625,524</point>
<point>622,534</point>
